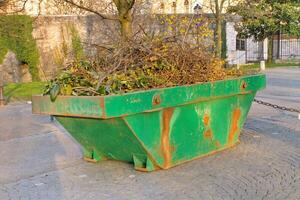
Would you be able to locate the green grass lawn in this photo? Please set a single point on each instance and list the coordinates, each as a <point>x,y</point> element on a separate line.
<point>22,91</point>
<point>269,65</point>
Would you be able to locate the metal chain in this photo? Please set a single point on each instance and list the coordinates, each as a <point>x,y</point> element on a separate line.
<point>277,106</point>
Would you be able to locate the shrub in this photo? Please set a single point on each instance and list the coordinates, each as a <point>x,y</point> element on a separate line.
<point>16,35</point>
<point>163,59</point>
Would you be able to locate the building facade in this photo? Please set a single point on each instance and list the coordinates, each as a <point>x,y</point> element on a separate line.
<point>186,6</point>
<point>58,7</point>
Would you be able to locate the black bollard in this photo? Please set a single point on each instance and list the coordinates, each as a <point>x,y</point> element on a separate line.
<point>2,100</point>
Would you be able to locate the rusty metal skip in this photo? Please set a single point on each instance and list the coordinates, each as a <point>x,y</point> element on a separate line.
<point>160,128</point>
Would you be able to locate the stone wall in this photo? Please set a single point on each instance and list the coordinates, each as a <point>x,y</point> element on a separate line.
<point>13,71</point>
<point>53,36</point>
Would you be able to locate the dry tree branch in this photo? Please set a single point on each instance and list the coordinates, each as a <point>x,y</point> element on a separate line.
<point>71,2</point>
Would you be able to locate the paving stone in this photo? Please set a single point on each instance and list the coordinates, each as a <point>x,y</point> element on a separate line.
<point>42,161</point>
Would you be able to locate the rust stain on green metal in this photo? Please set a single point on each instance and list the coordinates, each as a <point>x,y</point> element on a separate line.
<point>234,126</point>
<point>218,144</point>
<point>165,138</point>
<point>206,120</point>
<point>102,106</point>
<point>208,134</point>
<point>160,128</point>
<point>156,100</point>
<point>243,85</point>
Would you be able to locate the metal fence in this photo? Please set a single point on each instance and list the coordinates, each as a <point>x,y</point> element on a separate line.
<point>254,51</point>
<point>285,47</point>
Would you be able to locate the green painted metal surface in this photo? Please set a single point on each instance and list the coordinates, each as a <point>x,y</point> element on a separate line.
<point>157,129</point>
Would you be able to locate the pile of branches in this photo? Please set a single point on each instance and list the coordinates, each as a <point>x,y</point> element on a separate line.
<point>139,65</point>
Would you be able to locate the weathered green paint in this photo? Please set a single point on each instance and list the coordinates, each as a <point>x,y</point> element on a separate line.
<point>157,129</point>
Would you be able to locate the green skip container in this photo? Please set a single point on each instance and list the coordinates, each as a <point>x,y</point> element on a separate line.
<point>159,128</point>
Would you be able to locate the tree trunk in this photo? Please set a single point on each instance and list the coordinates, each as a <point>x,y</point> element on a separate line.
<point>270,49</point>
<point>218,33</point>
<point>126,26</point>
<point>125,18</point>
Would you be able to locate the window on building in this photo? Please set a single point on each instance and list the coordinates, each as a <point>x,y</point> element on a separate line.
<point>240,44</point>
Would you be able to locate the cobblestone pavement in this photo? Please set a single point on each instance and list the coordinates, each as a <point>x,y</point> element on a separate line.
<point>39,160</point>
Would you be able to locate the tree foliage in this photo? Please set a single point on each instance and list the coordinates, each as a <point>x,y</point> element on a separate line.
<point>264,18</point>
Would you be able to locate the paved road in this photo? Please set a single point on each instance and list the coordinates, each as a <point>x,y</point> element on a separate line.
<point>39,160</point>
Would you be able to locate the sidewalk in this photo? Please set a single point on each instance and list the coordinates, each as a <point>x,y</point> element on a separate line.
<point>39,160</point>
